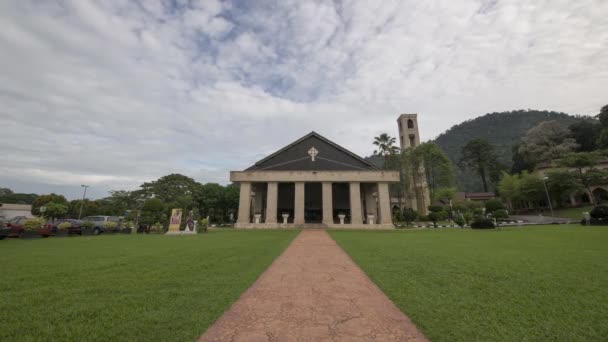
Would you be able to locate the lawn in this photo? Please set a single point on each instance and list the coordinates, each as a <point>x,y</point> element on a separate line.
<point>573,213</point>
<point>128,288</point>
<point>547,283</point>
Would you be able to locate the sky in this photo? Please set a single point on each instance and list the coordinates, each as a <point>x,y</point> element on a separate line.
<point>114,93</point>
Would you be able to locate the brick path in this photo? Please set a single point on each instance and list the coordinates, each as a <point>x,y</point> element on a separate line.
<point>313,292</point>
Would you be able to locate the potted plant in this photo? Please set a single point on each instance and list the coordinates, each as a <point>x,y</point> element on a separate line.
<point>110,227</point>
<point>156,228</point>
<point>31,228</point>
<point>87,228</point>
<point>203,226</point>
<point>63,229</point>
<point>128,228</point>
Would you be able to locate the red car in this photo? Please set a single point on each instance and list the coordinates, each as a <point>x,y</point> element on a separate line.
<point>17,228</point>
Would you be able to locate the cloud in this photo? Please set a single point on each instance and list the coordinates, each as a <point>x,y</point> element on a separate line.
<point>114,93</point>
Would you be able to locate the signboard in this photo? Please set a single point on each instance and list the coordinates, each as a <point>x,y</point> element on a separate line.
<point>175,220</point>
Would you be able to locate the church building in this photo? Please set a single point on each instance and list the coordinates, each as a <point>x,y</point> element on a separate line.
<point>315,183</point>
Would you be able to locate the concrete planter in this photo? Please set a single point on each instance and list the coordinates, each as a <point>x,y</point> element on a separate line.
<point>62,233</point>
<point>28,235</point>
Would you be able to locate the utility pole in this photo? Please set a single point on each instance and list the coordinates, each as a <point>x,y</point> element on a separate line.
<point>83,196</point>
<point>547,193</point>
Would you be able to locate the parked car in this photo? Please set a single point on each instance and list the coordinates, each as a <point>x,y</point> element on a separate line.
<point>99,222</point>
<point>4,230</point>
<point>75,229</point>
<point>17,228</point>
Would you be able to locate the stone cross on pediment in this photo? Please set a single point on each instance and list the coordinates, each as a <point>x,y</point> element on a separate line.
<point>313,152</point>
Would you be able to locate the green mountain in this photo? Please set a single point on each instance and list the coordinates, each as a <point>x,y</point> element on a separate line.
<point>502,130</point>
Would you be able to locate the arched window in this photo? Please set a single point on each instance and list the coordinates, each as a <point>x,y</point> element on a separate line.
<point>410,123</point>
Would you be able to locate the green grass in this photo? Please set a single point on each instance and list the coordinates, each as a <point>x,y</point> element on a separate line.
<point>573,213</point>
<point>519,284</point>
<point>128,288</point>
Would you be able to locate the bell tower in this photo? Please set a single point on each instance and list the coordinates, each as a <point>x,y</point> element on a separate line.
<point>409,135</point>
<point>417,197</point>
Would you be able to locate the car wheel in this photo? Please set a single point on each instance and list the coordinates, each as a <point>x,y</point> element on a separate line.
<point>96,231</point>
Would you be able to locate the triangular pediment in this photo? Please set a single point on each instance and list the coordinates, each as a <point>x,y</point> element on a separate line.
<point>312,152</point>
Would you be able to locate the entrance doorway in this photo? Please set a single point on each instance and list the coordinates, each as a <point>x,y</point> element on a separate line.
<point>313,203</point>
<point>285,201</point>
<point>340,201</point>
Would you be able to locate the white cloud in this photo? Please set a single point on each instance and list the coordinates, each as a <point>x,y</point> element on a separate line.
<point>113,93</point>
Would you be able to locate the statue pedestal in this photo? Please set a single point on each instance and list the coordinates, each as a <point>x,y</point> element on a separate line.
<point>257,218</point>
<point>285,217</point>
<point>341,217</point>
<point>370,219</point>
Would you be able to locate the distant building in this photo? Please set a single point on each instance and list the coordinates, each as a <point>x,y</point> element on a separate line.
<point>9,211</point>
<point>474,196</point>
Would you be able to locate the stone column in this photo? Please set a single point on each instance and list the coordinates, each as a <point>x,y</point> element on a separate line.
<point>298,208</point>
<point>328,209</point>
<point>384,202</point>
<point>272,193</point>
<point>244,203</point>
<point>355,203</point>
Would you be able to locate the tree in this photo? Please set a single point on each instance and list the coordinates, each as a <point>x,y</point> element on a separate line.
<point>531,187</point>
<point>9,196</point>
<point>603,116</point>
<point>585,134</point>
<point>55,210</point>
<point>509,188</point>
<point>89,208</point>
<point>545,142</point>
<point>585,174</point>
<point>479,155</point>
<point>170,188</point>
<point>438,169</point>
<point>152,212</point>
<point>42,200</point>
<point>386,145</point>
<point>519,163</point>
<point>561,184</point>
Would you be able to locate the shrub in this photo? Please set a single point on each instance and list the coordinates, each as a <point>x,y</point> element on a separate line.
<point>459,220</point>
<point>88,224</point>
<point>477,212</point>
<point>483,223</point>
<point>203,227</point>
<point>34,223</point>
<point>64,225</point>
<point>435,208</point>
<point>157,228</point>
<point>501,214</point>
<point>493,205</point>
<point>436,216</point>
<point>409,215</point>
<point>599,212</point>
<point>468,217</point>
<point>110,225</point>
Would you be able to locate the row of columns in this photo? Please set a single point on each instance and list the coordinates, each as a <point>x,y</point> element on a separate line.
<point>327,199</point>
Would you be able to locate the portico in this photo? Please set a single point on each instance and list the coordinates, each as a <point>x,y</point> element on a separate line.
<point>314,183</point>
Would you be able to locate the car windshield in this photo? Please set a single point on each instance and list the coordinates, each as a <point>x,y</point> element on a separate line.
<point>94,219</point>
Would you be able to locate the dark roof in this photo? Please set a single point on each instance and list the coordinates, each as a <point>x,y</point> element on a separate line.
<point>295,157</point>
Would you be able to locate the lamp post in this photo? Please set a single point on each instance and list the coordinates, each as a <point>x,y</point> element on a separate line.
<point>83,196</point>
<point>547,193</point>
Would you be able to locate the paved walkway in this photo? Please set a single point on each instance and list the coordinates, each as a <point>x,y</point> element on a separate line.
<point>313,292</point>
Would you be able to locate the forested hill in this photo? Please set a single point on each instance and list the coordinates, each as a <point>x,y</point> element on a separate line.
<point>502,130</point>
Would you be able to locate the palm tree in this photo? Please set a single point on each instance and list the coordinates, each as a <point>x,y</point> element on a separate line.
<point>385,145</point>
